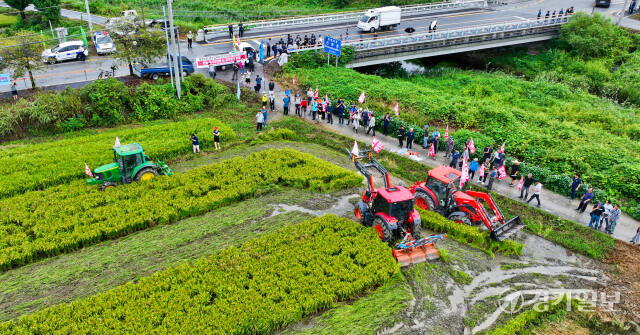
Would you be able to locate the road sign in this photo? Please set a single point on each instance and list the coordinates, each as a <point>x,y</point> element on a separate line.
<point>332,46</point>
<point>5,78</point>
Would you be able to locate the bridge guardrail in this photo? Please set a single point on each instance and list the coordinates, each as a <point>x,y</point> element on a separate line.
<point>323,19</point>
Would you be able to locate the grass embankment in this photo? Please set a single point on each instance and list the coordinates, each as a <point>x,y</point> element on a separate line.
<point>286,275</point>
<point>543,124</point>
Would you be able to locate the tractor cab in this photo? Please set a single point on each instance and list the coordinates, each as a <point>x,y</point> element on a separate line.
<point>442,182</point>
<point>130,163</point>
<point>394,202</point>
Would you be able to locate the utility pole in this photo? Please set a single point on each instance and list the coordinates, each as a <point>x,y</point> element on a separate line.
<point>173,42</point>
<point>86,5</point>
<point>166,35</point>
<point>180,70</point>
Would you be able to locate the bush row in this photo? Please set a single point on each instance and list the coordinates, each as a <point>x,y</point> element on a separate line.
<point>469,235</point>
<point>106,103</point>
<point>257,288</point>
<point>537,121</point>
<point>59,219</point>
<point>37,166</point>
<point>530,319</point>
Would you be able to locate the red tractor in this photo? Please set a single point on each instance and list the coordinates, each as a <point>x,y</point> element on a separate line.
<point>390,211</point>
<point>440,194</point>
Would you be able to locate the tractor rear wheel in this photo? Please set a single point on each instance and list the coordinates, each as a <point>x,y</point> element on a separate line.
<point>145,174</point>
<point>424,201</point>
<point>109,185</point>
<point>385,233</point>
<point>463,219</point>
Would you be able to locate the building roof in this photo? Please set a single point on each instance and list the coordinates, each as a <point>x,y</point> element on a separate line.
<point>128,149</point>
<point>395,194</point>
<point>444,173</point>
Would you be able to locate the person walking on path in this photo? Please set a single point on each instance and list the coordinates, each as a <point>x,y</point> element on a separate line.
<point>212,71</point>
<point>365,118</point>
<point>487,153</point>
<point>216,138</point>
<point>604,221</point>
<point>340,112</point>
<point>352,112</point>
<point>515,169</point>
<point>386,121</point>
<point>230,31</point>
<point>303,107</point>
<point>586,199</point>
<point>524,191</point>
<point>329,112</point>
<point>356,119</point>
<point>575,185</point>
<point>258,83</point>
<point>595,214</point>
<point>492,178</point>
<point>372,125</point>
<point>260,119</point>
<point>272,86</point>
<point>241,29</point>
<point>189,40</point>
<point>613,219</point>
<point>297,100</point>
<point>272,104</point>
<point>436,139</point>
<point>473,167</point>
<point>286,100</point>
<point>410,136</point>
<point>401,135</point>
<point>309,96</point>
<point>264,117</point>
<point>314,109</point>
<point>454,159</point>
<point>450,145</point>
<point>487,170</point>
<point>235,71</point>
<point>536,190</point>
<point>465,156</point>
<point>636,238</point>
<point>268,47</point>
<point>196,143</point>
<point>425,137</point>
<point>14,90</point>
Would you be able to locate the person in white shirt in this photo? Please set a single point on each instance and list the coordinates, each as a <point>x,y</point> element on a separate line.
<point>536,192</point>
<point>372,125</point>
<point>608,208</point>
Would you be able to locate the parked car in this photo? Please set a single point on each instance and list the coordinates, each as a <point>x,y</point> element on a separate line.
<point>103,42</point>
<point>65,51</point>
<point>603,3</point>
<point>154,71</point>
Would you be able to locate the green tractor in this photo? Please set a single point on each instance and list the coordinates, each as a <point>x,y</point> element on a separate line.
<point>129,164</point>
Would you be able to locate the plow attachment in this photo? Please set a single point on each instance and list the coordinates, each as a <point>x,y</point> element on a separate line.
<point>163,168</point>
<point>506,230</point>
<point>411,251</point>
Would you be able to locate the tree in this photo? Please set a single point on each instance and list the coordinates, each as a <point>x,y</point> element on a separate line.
<point>19,5</point>
<point>50,9</point>
<point>23,57</point>
<point>137,45</point>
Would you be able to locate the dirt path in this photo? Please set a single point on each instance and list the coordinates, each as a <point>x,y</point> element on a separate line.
<point>553,203</point>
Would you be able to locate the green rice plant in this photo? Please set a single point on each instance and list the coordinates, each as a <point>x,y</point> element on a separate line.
<point>257,288</point>
<point>67,217</point>
<point>28,167</point>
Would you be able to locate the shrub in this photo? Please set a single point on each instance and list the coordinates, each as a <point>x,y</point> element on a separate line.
<point>68,217</point>
<point>107,101</point>
<point>257,288</point>
<point>595,36</point>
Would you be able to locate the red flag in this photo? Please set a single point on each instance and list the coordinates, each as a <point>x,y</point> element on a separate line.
<point>472,146</point>
<point>326,97</point>
<point>87,170</point>
<point>315,96</point>
<point>481,171</point>
<point>361,98</point>
<point>502,147</point>
<point>501,172</point>
<point>294,80</point>
<point>432,151</point>
<point>465,173</point>
<point>446,133</point>
<point>377,145</point>
<point>396,109</point>
<point>520,183</point>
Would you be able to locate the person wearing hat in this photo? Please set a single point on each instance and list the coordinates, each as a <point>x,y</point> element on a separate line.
<point>515,169</point>
<point>216,138</point>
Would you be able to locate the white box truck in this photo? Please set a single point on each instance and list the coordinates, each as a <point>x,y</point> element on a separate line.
<point>380,19</point>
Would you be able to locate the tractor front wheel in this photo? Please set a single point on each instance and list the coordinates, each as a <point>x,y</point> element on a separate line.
<point>463,219</point>
<point>146,174</point>
<point>385,233</point>
<point>424,201</point>
<point>109,185</point>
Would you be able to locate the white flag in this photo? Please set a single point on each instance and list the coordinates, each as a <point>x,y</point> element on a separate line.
<point>361,98</point>
<point>117,144</point>
<point>355,151</point>
<point>87,170</point>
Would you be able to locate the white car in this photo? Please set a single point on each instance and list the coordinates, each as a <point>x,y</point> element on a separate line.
<point>103,42</point>
<point>65,51</point>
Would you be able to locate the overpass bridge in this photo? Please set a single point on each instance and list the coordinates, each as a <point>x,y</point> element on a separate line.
<point>372,51</point>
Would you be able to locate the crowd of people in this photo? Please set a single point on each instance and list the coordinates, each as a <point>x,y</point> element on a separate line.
<point>551,16</point>
<point>603,216</point>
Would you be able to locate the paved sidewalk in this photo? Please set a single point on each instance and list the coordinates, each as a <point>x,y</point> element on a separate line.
<point>553,203</point>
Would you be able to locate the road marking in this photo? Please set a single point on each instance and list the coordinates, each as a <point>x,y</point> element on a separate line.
<point>521,18</point>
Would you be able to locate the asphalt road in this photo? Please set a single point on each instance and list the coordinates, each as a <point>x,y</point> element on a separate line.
<point>76,71</point>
